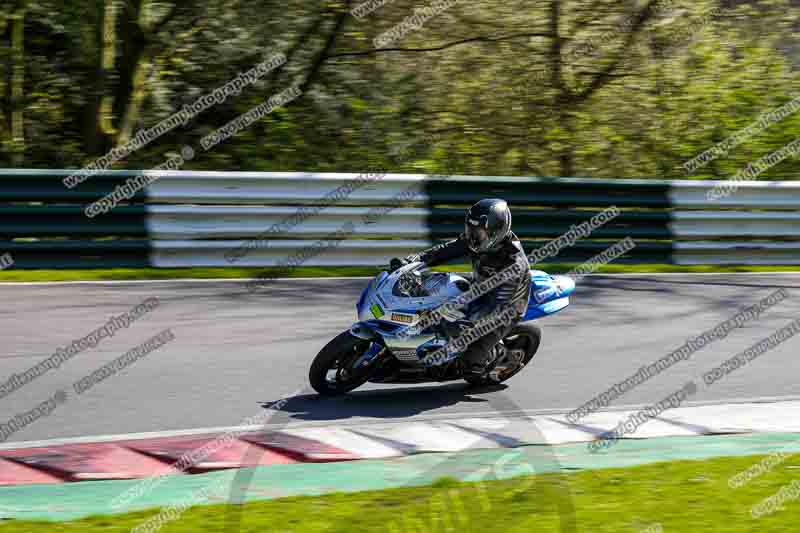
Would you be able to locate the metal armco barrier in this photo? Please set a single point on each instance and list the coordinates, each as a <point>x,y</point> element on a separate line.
<point>186,219</point>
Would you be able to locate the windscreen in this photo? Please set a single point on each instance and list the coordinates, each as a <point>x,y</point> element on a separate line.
<point>410,285</point>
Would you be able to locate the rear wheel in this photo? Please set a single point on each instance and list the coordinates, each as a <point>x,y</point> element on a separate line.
<point>332,372</point>
<point>521,344</point>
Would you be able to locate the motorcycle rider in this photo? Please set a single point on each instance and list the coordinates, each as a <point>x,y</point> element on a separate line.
<point>492,247</point>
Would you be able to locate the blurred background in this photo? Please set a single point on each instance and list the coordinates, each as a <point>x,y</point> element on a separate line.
<point>593,88</point>
<point>402,114</point>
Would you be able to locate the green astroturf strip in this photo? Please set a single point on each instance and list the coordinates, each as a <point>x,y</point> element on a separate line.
<point>78,500</point>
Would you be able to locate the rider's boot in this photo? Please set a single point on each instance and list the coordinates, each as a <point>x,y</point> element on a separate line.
<point>481,368</point>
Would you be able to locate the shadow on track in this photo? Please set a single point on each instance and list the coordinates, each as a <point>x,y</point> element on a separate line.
<point>385,403</point>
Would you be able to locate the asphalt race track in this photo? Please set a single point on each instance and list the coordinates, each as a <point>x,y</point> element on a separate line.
<point>234,352</point>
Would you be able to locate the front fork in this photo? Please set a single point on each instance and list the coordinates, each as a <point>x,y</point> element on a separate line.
<point>370,356</point>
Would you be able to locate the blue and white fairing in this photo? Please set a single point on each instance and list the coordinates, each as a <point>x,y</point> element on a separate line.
<point>549,294</point>
<point>388,311</point>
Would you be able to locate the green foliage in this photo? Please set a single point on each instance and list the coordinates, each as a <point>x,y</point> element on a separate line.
<point>558,87</point>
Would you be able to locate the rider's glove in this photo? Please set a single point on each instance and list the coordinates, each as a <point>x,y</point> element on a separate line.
<point>397,263</point>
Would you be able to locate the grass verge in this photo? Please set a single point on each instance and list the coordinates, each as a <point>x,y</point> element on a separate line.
<point>680,496</point>
<point>118,274</point>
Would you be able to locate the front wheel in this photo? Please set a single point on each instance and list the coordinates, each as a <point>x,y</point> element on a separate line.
<point>332,372</point>
<point>521,344</point>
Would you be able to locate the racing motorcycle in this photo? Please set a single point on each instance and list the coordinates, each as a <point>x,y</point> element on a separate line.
<point>391,340</point>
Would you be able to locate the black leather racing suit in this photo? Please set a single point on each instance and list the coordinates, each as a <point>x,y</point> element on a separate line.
<point>485,265</point>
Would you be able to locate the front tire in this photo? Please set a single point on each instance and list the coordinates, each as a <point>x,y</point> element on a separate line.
<point>338,356</point>
<point>525,336</point>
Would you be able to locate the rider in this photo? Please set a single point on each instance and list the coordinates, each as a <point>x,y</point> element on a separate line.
<point>492,247</point>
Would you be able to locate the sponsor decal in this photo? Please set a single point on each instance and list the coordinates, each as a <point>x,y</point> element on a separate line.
<point>406,319</point>
<point>544,295</point>
<point>377,312</point>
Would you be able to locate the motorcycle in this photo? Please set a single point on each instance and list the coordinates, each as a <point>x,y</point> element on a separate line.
<point>391,340</point>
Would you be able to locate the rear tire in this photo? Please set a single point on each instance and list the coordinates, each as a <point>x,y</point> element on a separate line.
<point>527,336</point>
<point>338,355</point>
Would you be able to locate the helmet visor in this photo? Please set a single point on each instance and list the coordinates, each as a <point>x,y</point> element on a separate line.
<point>477,236</point>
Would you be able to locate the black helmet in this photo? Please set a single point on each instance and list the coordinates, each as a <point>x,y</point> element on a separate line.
<point>487,223</point>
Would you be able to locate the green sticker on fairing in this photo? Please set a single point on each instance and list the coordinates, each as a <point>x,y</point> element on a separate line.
<point>377,312</point>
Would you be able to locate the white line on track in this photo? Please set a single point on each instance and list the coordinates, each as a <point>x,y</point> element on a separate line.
<point>366,422</point>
